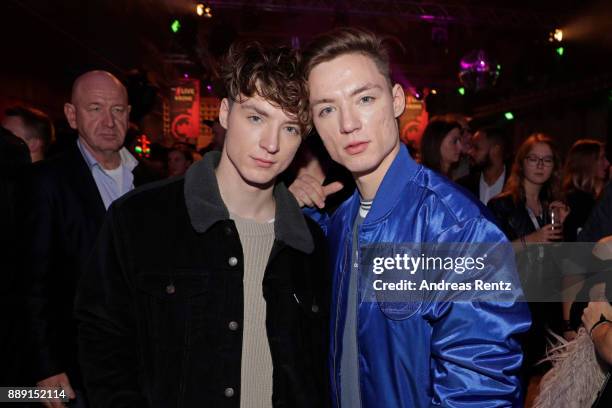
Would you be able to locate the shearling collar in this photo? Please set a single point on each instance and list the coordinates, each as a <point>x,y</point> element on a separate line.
<point>205,206</point>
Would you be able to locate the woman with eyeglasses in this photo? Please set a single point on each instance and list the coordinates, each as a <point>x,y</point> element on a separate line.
<point>531,193</point>
<point>522,211</point>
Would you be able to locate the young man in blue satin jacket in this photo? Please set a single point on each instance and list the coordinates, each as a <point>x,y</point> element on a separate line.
<point>416,352</point>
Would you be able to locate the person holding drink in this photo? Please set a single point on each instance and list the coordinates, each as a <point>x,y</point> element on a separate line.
<point>529,211</point>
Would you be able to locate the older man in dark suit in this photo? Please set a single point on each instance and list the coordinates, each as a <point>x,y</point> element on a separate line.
<point>65,204</point>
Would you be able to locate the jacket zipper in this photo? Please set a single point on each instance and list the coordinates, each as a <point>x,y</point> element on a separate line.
<point>357,317</point>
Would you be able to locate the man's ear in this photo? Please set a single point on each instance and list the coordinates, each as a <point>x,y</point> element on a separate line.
<point>224,111</point>
<point>70,112</point>
<point>399,100</point>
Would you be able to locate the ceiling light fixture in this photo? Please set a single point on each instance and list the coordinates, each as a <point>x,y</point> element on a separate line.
<point>203,10</point>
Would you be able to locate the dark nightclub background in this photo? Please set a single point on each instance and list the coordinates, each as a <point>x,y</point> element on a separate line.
<point>528,81</point>
<point>510,68</point>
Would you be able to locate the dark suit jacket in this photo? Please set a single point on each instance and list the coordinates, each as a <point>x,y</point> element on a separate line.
<point>62,214</point>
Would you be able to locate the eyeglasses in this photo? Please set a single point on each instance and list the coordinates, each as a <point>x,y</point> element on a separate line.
<point>535,161</point>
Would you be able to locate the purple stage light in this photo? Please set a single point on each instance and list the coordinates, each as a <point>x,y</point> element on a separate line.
<point>477,71</point>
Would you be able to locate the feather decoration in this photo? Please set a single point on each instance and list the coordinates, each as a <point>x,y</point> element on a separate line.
<point>576,375</point>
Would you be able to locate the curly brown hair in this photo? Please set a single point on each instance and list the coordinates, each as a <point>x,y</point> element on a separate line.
<point>271,72</point>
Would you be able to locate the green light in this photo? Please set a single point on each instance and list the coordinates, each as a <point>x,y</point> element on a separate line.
<point>560,51</point>
<point>175,26</point>
<point>461,91</point>
<point>499,67</point>
<point>138,149</point>
<point>509,115</point>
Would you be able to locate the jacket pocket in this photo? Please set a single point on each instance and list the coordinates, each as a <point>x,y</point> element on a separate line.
<point>172,303</point>
<point>394,304</point>
<point>399,311</point>
<point>399,305</point>
<point>308,303</point>
<point>178,285</point>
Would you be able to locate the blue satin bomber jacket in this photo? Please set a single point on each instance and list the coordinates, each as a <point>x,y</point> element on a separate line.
<point>452,354</point>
